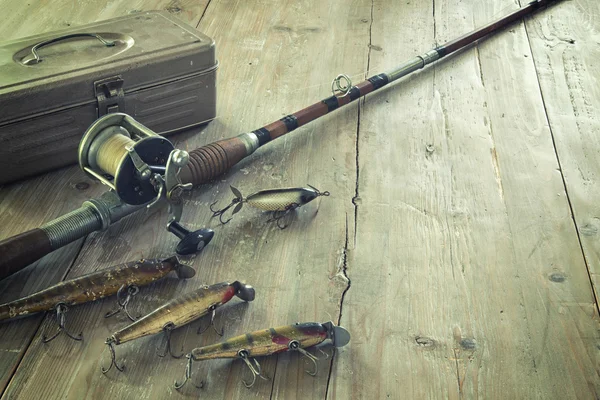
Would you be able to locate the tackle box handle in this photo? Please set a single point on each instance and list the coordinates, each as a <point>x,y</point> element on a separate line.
<point>34,58</point>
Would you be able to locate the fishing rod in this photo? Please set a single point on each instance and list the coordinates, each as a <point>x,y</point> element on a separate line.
<point>143,169</point>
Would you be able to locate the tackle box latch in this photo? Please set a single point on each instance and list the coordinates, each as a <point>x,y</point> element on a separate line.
<point>110,95</point>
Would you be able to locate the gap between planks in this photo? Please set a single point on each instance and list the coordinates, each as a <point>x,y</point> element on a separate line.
<point>41,322</point>
<point>75,258</point>
<point>355,199</point>
<point>562,175</point>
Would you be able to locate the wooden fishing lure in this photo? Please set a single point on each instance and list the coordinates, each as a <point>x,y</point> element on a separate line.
<point>270,341</point>
<point>94,286</point>
<point>178,312</point>
<point>278,201</point>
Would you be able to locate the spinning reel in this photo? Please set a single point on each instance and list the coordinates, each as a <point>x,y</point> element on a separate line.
<point>141,168</point>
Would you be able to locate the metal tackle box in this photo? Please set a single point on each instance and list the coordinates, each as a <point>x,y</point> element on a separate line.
<point>53,86</point>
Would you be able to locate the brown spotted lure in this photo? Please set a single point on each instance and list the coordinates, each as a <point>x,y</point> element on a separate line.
<point>279,201</point>
<point>267,342</point>
<point>122,278</point>
<point>178,312</point>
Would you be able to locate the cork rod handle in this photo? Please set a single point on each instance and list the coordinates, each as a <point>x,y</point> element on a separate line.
<point>213,160</point>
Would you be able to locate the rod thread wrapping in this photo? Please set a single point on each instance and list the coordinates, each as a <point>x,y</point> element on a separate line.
<point>72,226</point>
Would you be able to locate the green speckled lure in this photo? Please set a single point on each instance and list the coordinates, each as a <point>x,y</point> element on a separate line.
<point>270,341</point>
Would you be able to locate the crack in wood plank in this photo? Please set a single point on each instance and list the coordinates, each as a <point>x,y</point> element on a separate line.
<point>203,13</point>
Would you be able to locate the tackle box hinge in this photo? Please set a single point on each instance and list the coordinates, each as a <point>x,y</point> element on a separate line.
<point>110,95</point>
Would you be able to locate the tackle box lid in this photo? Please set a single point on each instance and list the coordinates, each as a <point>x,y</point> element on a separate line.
<point>93,62</point>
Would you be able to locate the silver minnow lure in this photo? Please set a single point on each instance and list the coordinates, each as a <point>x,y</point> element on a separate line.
<point>278,201</point>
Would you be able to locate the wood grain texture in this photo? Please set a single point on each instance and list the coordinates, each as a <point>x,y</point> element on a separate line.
<point>270,53</point>
<point>447,247</point>
<point>22,208</point>
<point>479,287</point>
<point>29,204</point>
<point>565,55</point>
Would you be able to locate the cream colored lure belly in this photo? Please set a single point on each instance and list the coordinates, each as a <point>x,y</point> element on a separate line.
<point>274,200</point>
<point>178,312</point>
<point>270,341</point>
<point>280,199</point>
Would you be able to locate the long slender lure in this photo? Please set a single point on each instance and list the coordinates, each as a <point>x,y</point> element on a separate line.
<point>178,312</point>
<point>279,201</point>
<point>267,342</point>
<point>121,278</point>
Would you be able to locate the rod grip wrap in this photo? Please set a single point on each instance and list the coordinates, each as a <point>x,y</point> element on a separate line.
<point>210,161</point>
<point>21,250</point>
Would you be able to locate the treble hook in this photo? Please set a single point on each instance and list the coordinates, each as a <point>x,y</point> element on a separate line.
<point>255,369</point>
<point>132,290</point>
<point>279,217</point>
<point>188,374</point>
<point>222,211</point>
<point>294,345</point>
<point>167,338</point>
<point>113,361</point>
<point>61,310</point>
<point>212,323</point>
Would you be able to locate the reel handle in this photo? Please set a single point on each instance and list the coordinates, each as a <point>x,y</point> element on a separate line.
<point>21,250</point>
<point>191,242</point>
<point>208,162</point>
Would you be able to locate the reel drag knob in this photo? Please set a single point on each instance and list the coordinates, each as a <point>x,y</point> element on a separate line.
<point>191,242</point>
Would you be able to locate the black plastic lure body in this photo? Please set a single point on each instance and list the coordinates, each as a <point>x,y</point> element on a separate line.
<point>279,201</point>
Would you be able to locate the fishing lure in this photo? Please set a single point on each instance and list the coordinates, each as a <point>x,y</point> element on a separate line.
<point>267,342</point>
<point>178,312</point>
<point>97,285</point>
<point>279,201</point>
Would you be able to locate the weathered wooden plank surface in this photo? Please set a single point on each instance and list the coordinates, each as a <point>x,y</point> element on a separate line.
<point>20,210</point>
<point>297,272</point>
<point>467,279</point>
<point>566,52</point>
<point>29,204</point>
<point>479,287</point>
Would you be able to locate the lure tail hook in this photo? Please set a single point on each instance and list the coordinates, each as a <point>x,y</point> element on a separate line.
<point>188,374</point>
<point>219,213</point>
<point>167,338</point>
<point>239,200</point>
<point>132,290</point>
<point>61,310</point>
<point>113,360</point>
<point>294,345</point>
<point>254,367</point>
<point>212,323</point>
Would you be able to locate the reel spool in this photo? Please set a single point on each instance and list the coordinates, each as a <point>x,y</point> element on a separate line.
<point>140,167</point>
<point>136,163</point>
<point>126,156</point>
